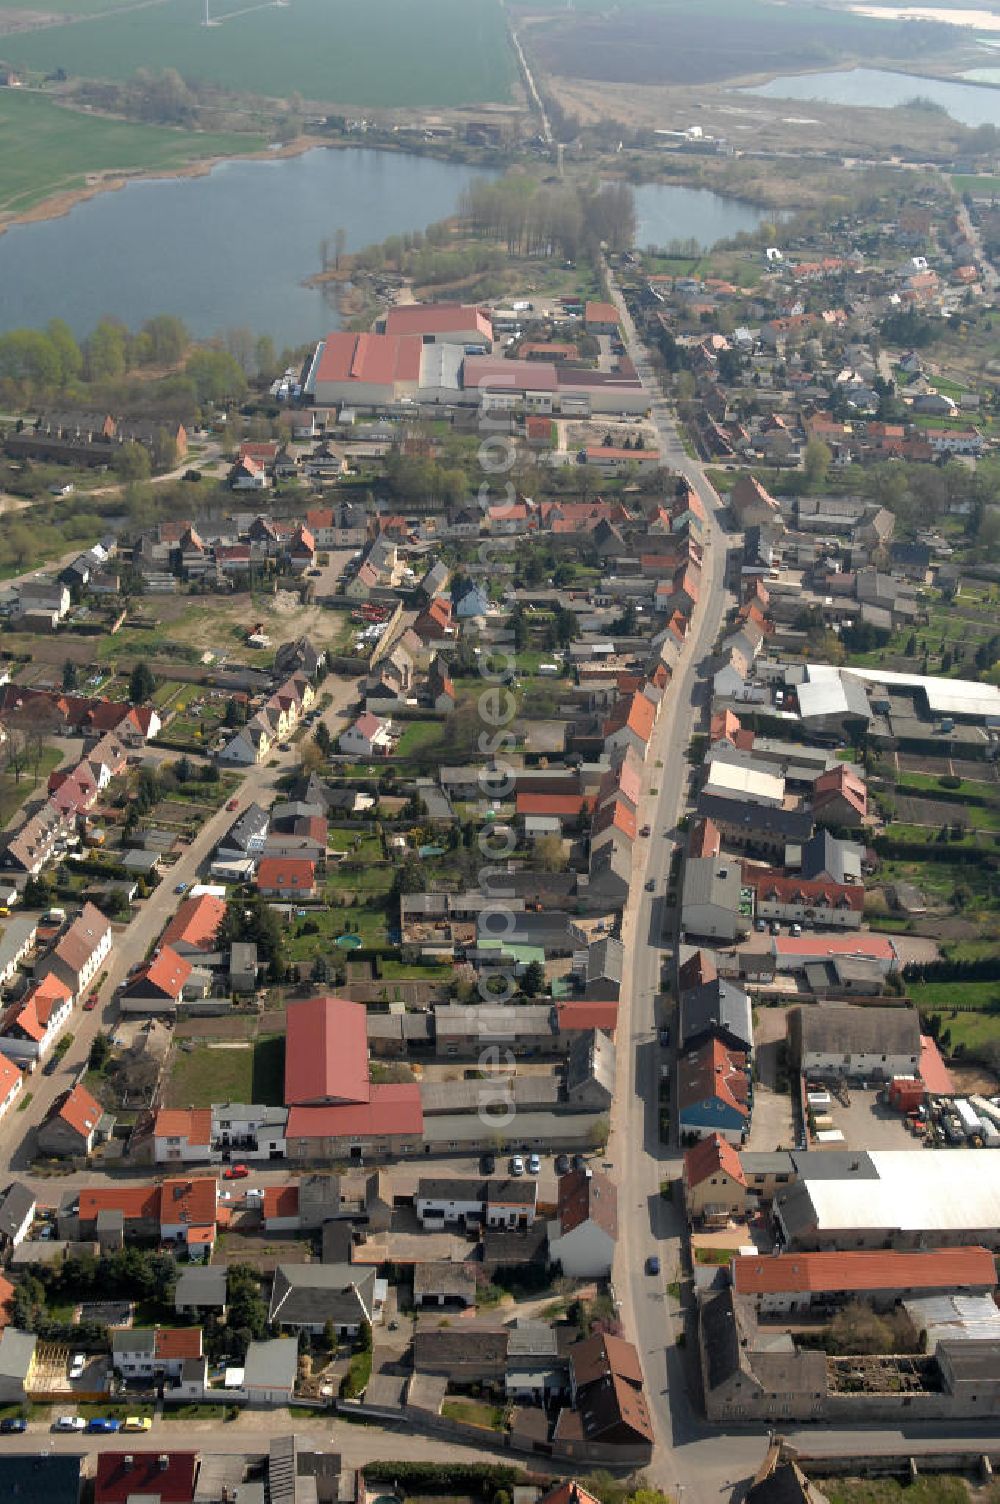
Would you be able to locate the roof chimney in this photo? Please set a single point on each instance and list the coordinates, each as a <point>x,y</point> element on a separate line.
<point>129,1462</point>
<point>163,1462</point>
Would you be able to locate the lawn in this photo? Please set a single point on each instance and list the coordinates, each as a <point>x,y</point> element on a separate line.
<point>444,52</point>
<point>359,844</point>
<point>14,794</point>
<point>50,149</point>
<point>969,183</point>
<point>474,1413</point>
<point>939,1489</point>
<point>421,739</point>
<point>934,996</point>
<point>203,1075</point>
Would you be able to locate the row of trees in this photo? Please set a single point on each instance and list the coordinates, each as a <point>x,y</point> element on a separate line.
<point>535,220</point>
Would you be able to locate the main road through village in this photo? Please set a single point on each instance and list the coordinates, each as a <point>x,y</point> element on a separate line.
<point>692,1460</point>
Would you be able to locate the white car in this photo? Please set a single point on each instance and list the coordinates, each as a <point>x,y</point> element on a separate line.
<point>534,1165</point>
<point>69,1423</point>
<point>516,1165</point>
<point>77,1364</point>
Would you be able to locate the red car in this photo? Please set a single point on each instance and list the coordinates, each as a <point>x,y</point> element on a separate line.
<point>91,1003</point>
<point>235,1172</point>
<point>233,804</point>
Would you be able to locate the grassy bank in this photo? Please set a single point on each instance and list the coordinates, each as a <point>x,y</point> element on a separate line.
<point>51,149</point>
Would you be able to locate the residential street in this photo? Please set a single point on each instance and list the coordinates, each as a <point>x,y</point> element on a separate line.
<point>132,944</point>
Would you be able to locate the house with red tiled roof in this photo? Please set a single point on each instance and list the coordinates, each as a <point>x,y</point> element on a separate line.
<point>434,624</point>
<point>11,1084</point>
<point>168,1477</point>
<point>144,1353</point>
<point>579,1016</point>
<point>369,736</point>
<point>189,1213</point>
<point>195,925</point>
<point>787,1282</point>
<point>840,797</point>
<point>568,809</point>
<point>609,1404</point>
<point>159,985</point>
<point>249,474</point>
<point>70,1129</point>
<point>302,550</point>
<point>139,1206</point>
<point>715,1187</point>
<point>182,1135</point>
<point>584,1231</point>
<point>713,1092</point>
<point>288,877</point>
<point>629,727</point>
<point>614,819</point>
<point>696,971</point>
<point>30,1027</point>
<point>796,900</point>
<point>6,1296</point>
<point>704,839</point>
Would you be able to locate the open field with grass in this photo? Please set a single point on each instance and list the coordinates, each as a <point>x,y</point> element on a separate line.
<point>13,793</point>
<point>442,52</point>
<point>46,149</point>
<point>939,1489</point>
<point>205,1074</point>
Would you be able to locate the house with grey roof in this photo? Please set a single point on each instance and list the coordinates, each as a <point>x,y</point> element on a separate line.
<point>590,1071</point>
<point>716,1010</point>
<point>753,1373</point>
<point>844,1040</point>
<point>17,1212</point>
<point>270,1370</point>
<point>825,858</point>
<point>605,964</point>
<point>535,1368</point>
<point>201,1288</point>
<point>441,1282</point>
<point>710,898</point>
<point>17,1357</point>
<point>306,1297</point>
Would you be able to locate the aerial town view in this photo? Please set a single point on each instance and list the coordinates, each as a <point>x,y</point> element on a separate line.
<point>499,738</point>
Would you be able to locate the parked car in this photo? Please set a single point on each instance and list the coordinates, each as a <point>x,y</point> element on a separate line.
<point>653,1264</point>
<point>13,1425</point>
<point>51,1065</point>
<point>796,929</point>
<point>760,925</point>
<point>487,1164</point>
<point>644,831</point>
<point>91,1003</point>
<point>181,888</point>
<point>69,1423</point>
<point>235,1172</point>
<point>775,927</point>
<point>233,804</point>
<point>103,1425</point>
<point>77,1364</point>
<point>137,1423</point>
<point>516,1164</point>
<point>651,885</point>
<point>562,1164</point>
<point>534,1165</point>
<point>579,1162</point>
<point>665,1036</point>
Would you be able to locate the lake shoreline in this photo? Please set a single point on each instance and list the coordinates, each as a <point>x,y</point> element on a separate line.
<point>58,205</point>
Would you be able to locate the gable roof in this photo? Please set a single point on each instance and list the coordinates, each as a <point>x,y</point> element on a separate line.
<point>868,1271</point>
<point>587,1196</point>
<point>80,1111</point>
<point>326,1052</point>
<point>196,922</point>
<point>713,1155</point>
<point>166,973</point>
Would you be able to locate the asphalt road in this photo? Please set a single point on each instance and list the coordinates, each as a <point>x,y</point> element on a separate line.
<point>696,1463</point>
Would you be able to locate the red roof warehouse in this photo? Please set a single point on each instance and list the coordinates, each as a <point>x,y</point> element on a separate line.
<point>326,1052</point>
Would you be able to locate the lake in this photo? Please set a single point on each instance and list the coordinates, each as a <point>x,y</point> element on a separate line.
<point>665,213</point>
<point>878,88</point>
<point>230,249</point>
<point>233,248</point>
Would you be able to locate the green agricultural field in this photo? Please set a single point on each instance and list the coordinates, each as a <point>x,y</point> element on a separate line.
<point>385,52</point>
<point>47,149</point>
